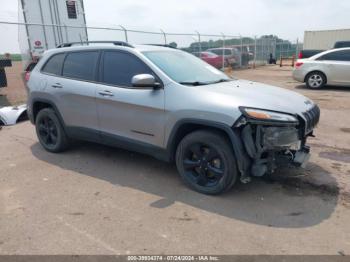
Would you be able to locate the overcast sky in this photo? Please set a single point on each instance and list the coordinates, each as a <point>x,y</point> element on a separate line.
<point>286,18</point>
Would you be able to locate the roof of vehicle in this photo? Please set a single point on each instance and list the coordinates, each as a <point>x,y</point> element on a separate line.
<point>204,52</point>
<point>220,48</point>
<point>341,44</point>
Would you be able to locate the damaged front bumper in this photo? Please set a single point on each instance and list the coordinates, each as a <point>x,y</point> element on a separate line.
<point>269,145</point>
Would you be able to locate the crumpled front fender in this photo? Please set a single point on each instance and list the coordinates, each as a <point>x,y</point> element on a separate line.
<point>10,115</point>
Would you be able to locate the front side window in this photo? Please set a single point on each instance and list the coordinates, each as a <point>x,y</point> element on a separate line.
<point>81,65</point>
<point>54,65</point>
<point>119,68</point>
<point>185,68</point>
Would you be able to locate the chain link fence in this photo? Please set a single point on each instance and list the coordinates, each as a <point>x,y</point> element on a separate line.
<point>236,51</point>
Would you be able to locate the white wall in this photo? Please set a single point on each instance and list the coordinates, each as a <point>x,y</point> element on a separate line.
<point>325,39</point>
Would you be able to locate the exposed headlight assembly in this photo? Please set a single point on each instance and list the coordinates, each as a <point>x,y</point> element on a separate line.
<point>266,115</point>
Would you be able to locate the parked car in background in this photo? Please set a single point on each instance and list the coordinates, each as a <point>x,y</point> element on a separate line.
<point>342,44</point>
<point>246,54</point>
<point>215,60</point>
<point>11,115</point>
<point>311,52</point>
<point>232,55</point>
<point>331,67</point>
<point>26,73</point>
<point>308,53</point>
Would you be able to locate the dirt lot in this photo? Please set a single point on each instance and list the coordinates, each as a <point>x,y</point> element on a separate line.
<point>15,92</point>
<point>98,200</point>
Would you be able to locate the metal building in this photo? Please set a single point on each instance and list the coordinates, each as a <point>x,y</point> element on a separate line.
<point>325,39</point>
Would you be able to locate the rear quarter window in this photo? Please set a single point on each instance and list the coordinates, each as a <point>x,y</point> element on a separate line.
<point>53,65</point>
<point>30,67</point>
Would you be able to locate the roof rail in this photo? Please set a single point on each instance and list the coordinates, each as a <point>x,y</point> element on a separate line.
<point>118,43</point>
<point>163,45</point>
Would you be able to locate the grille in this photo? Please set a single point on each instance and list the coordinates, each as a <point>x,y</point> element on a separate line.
<point>312,117</point>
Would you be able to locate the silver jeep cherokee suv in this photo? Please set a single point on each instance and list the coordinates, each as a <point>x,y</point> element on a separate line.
<point>169,104</point>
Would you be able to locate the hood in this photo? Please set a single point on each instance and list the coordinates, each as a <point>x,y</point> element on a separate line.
<point>258,95</point>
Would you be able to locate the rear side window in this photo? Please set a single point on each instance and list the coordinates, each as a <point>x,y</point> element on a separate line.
<point>81,65</point>
<point>119,68</point>
<point>54,65</point>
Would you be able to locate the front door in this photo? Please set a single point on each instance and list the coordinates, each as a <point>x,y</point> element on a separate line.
<point>124,112</point>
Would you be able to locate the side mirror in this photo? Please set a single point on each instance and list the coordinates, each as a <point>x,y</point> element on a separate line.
<point>144,81</point>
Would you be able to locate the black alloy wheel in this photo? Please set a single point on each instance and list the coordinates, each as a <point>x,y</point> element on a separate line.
<point>203,165</point>
<point>206,162</point>
<point>50,131</point>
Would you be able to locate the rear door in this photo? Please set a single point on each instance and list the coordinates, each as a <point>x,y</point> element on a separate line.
<point>75,91</point>
<point>125,112</point>
<point>338,67</point>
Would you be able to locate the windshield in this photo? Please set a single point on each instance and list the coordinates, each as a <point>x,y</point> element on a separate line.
<point>185,68</point>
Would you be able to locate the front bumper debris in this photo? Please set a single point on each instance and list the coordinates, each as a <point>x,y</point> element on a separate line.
<point>266,145</point>
<point>301,157</point>
<point>271,146</point>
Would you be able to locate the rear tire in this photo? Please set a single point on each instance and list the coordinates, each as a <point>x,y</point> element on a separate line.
<point>315,80</point>
<point>50,131</point>
<point>206,162</point>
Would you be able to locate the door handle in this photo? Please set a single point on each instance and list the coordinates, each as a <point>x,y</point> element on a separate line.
<point>57,85</point>
<point>105,93</point>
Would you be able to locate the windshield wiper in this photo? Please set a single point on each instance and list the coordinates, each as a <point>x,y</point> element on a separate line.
<point>194,83</point>
<point>198,83</point>
<point>220,81</point>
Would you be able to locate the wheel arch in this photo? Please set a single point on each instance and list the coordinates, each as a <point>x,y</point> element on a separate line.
<point>39,104</point>
<point>22,117</point>
<point>187,126</point>
<point>316,71</point>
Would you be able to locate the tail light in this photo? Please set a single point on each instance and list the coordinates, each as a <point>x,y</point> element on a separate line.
<point>300,56</point>
<point>298,64</point>
<point>27,76</point>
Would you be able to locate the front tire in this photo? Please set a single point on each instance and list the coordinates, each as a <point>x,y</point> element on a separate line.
<point>206,162</point>
<point>50,131</point>
<point>315,80</point>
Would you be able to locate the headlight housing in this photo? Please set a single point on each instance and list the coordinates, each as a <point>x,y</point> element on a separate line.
<point>268,116</point>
